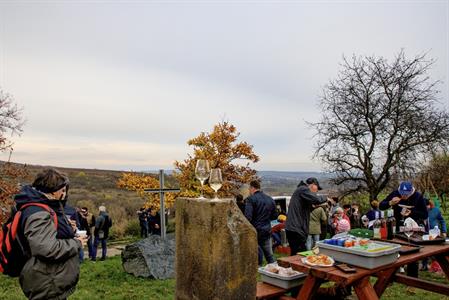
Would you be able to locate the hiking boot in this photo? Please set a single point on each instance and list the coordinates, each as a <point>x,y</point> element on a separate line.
<point>103,258</point>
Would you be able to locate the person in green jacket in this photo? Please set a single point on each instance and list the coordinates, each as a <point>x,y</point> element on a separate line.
<point>317,216</point>
<point>52,269</point>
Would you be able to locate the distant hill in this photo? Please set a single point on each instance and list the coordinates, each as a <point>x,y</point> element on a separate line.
<point>280,183</point>
<point>291,175</point>
<point>94,187</point>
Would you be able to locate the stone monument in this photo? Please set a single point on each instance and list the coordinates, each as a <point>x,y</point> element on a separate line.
<point>216,251</point>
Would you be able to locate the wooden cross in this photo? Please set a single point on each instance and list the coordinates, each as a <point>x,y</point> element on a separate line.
<point>161,190</point>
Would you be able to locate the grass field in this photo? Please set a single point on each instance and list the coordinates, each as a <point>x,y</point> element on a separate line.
<point>107,280</point>
<point>103,280</point>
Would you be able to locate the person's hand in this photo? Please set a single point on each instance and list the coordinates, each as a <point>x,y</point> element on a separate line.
<point>156,226</point>
<point>73,224</point>
<point>406,212</point>
<point>82,239</point>
<point>394,201</point>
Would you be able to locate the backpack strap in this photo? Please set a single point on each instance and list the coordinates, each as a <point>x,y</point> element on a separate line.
<point>43,206</point>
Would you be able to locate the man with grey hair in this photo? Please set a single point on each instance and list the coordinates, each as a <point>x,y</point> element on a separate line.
<point>101,233</point>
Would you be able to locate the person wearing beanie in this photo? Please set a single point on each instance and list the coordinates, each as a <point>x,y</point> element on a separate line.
<point>52,270</point>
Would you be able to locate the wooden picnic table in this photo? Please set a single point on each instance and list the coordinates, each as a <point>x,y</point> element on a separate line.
<point>360,280</point>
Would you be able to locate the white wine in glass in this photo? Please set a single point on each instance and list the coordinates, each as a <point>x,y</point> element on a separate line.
<point>408,231</point>
<point>215,181</point>
<point>202,171</point>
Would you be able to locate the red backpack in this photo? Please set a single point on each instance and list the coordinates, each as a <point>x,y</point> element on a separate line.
<point>13,255</point>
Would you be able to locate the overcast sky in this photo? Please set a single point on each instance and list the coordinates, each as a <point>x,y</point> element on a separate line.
<point>124,85</point>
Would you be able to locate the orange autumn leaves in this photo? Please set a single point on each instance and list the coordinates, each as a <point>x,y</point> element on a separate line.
<point>221,148</point>
<point>140,182</point>
<point>10,176</point>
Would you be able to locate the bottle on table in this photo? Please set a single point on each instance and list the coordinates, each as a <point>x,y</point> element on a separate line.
<point>383,226</point>
<point>391,225</point>
<point>376,227</point>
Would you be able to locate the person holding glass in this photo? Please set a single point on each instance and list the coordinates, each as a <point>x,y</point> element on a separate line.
<point>53,268</point>
<point>260,209</point>
<point>407,202</point>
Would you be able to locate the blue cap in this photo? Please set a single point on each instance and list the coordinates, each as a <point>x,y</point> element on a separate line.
<point>406,188</point>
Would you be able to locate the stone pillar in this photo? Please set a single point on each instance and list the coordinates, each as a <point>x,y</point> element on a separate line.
<point>216,251</point>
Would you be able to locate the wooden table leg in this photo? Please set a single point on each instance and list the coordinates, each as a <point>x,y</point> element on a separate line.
<point>384,278</point>
<point>309,287</point>
<point>365,290</point>
<point>444,263</point>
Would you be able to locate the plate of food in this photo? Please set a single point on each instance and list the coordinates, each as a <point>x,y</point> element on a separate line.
<point>275,269</point>
<point>319,260</point>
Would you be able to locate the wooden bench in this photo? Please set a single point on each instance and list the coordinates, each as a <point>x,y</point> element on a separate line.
<point>268,291</point>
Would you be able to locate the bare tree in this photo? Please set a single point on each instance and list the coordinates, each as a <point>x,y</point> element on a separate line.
<point>11,120</point>
<point>377,118</point>
<point>434,177</point>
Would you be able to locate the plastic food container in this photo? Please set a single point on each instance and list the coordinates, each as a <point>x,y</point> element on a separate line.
<point>362,258</point>
<point>285,282</point>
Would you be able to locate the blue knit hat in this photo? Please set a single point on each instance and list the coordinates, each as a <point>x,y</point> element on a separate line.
<point>406,188</point>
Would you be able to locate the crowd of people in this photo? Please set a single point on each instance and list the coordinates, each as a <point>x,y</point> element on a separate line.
<point>149,221</point>
<point>55,247</point>
<point>312,217</point>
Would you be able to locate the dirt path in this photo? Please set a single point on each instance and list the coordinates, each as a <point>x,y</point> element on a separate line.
<point>115,250</point>
<point>112,250</point>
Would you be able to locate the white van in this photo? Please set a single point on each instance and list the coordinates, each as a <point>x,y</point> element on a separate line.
<point>282,203</point>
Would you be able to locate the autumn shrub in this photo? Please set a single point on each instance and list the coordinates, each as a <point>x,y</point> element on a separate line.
<point>132,228</point>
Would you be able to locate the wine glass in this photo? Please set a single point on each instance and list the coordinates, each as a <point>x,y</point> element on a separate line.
<point>202,171</point>
<point>408,231</point>
<point>215,181</point>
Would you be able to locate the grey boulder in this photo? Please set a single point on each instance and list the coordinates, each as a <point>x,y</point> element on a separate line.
<point>152,257</point>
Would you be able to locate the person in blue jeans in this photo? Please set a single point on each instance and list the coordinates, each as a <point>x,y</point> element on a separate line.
<point>102,224</point>
<point>87,221</point>
<point>436,219</point>
<point>260,209</point>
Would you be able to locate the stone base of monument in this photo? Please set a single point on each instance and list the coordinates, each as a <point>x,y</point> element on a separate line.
<point>152,257</point>
<point>216,251</point>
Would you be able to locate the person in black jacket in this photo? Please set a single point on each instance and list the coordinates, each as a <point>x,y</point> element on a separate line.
<point>416,204</point>
<point>87,221</point>
<point>297,225</point>
<point>406,202</point>
<point>154,222</point>
<point>143,222</point>
<point>260,209</point>
<point>101,233</point>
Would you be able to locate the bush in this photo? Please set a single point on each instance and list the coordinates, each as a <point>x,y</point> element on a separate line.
<point>132,228</point>
<point>171,225</point>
